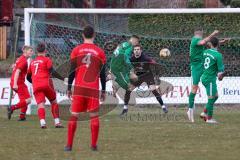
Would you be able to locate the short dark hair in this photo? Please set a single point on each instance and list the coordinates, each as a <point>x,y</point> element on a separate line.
<point>214,41</point>
<point>135,36</point>
<point>88,32</point>
<point>138,45</point>
<point>41,47</point>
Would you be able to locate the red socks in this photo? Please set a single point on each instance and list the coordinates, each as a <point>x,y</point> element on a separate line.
<point>20,104</point>
<point>94,130</point>
<point>23,105</point>
<point>41,113</point>
<point>72,125</point>
<point>55,110</point>
<point>23,112</point>
<point>205,110</point>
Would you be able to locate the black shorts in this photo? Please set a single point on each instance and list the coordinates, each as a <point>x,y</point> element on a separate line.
<point>145,77</point>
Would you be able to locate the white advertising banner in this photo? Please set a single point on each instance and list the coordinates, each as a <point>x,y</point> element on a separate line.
<point>228,90</point>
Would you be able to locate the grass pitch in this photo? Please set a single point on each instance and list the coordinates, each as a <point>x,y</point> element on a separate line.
<point>145,134</point>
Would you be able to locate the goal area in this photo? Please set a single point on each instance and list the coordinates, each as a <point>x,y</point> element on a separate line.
<point>61,30</point>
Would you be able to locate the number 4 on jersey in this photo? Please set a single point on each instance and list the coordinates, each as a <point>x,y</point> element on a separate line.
<point>87,59</point>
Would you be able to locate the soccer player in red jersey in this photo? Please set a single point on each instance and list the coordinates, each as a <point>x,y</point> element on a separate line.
<point>39,73</point>
<point>18,85</point>
<point>87,66</point>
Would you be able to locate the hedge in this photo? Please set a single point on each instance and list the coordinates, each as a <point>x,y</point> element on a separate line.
<point>182,25</point>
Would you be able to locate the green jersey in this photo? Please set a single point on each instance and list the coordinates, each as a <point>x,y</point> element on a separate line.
<point>196,51</point>
<point>213,63</point>
<point>121,57</point>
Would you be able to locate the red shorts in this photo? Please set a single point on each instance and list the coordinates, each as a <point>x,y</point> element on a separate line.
<point>41,93</point>
<point>23,92</point>
<point>84,104</point>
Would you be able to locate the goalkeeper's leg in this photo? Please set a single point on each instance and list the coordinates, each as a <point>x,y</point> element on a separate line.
<point>149,79</point>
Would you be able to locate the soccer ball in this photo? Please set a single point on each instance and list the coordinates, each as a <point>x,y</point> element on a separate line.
<point>164,53</point>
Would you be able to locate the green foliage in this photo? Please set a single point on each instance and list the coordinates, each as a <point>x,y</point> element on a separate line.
<point>174,31</point>
<point>195,4</point>
<point>226,2</point>
<point>182,25</point>
<point>235,3</point>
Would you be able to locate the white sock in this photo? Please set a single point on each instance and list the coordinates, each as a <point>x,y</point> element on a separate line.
<point>57,120</point>
<point>42,122</point>
<point>163,106</point>
<point>125,107</point>
<point>190,109</point>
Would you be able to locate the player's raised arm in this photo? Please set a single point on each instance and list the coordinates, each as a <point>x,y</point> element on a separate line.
<point>223,41</point>
<point>205,40</point>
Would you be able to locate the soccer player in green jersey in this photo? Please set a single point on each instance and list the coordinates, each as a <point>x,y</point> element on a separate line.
<point>213,67</point>
<point>120,62</point>
<point>121,66</point>
<point>197,47</point>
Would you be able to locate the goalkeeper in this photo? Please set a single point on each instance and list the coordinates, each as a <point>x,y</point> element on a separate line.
<point>143,68</point>
<point>121,66</point>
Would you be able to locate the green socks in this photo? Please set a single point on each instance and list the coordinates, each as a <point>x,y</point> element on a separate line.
<point>191,100</point>
<point>210,106</point>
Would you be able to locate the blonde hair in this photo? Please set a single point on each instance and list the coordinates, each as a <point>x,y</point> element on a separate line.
<point>26,48</point>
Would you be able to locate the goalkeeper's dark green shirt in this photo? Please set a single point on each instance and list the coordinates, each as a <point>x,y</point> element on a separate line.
<point>121,58</point>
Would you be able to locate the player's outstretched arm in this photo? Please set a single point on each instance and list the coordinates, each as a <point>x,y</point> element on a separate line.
<point>225,40</point>
<point>205,40</point>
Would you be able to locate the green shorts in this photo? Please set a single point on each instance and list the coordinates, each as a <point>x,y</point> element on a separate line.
<point>211,87</point>
<point>196,73</point>
<point>122,78</point>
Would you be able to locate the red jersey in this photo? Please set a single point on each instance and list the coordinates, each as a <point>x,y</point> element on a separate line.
<point>21,63</point>
<point>40,71</point>
<point>89,59</point>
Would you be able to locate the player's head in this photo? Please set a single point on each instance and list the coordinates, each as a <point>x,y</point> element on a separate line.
<point>213,42</point>
<point>27,50</point>
<point>198,32</point>
<point>88,32</point>
<point>134,40</point>
<point>41,48</point>
<point>137,51</point>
